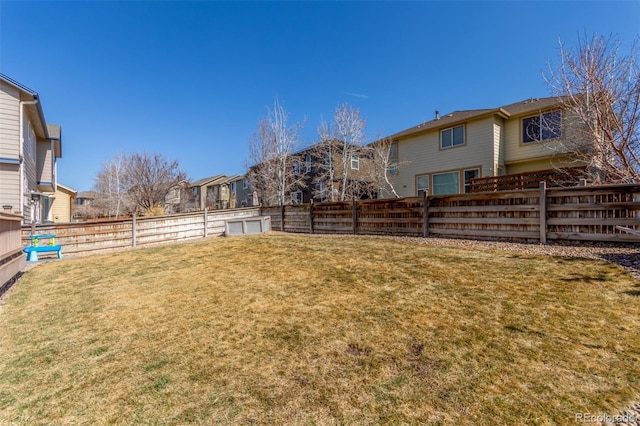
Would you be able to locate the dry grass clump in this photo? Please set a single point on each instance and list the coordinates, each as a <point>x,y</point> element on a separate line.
<point>295,329</point>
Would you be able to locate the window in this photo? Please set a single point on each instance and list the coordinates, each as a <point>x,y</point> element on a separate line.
<point>233,187</point>
<point>296,167</point>
<point>393,158</point>
<point>393,150</point>
<point>452,137</point>
<point>355,162</point>
<point>446,183</point>
<point>542,127</point>
<point>422,184</point>
<point>468,175</point>
<point>321,191</point>
<point>245,184</point>
<point>307,162</point>
<point>296,197</point>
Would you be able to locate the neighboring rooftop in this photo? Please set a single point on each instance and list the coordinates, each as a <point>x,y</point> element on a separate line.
<point>514,109</point>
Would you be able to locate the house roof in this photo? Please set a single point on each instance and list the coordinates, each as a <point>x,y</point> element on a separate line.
<point>208,181</point>
<point>66,188</point>
<point>88,194</point>
<point>230,179</point>
<point>507,111</point>
<point>530,105</point>
<point>34,96</point>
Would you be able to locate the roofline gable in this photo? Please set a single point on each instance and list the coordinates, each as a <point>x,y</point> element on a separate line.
<point>454,118</point>
<point>34,95</point>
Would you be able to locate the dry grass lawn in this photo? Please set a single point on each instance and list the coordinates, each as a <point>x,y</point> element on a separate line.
<point>286,329</point>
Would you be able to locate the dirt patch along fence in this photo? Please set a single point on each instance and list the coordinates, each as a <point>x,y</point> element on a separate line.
<point>571,214</point>
<point>98,237</point>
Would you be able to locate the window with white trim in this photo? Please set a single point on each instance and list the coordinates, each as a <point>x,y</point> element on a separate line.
<point>307,162</point>
<point>296,167</point>
<point>541,127</point>
<point>468,175</point>
<point>245,184</point>
<point>446,183</point>
<point>355,162</point>
<point>422,184</point>
<point>451,137</point>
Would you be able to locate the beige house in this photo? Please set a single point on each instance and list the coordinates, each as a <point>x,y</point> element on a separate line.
<point>441,156</point>
<point>213,192</point>
<point>63,200</point>
<point>29,149</point>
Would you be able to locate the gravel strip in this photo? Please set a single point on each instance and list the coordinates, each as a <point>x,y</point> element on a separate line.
<point>626,255</point>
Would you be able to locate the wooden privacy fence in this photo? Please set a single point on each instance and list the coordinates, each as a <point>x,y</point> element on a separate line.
<point>574,214</point>
<point>96,237</point>
<point>529,180</point>
<point>12,260</point>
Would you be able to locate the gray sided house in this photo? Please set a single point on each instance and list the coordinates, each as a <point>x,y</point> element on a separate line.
<point>29,150</point>
<point>240,192</point>
<point>312,166</point>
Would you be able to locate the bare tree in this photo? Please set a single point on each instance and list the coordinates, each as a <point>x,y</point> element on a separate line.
<point>149,178</point>
<point>110,185</point>
<point>325,185</point>
<point>384,155</point>
<point>599,85</point>
<point>340,174</point>
<point>272,173</point>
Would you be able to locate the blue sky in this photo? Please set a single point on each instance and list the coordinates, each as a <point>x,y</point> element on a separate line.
<point>190,80</point>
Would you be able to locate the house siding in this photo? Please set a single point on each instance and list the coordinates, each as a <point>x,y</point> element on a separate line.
<point>30,155</point>
<point>421,154</point>
<point>498,147</point>
<point>45,166</point>
<point>528,157</point>
<point>9,122</point>
<point>515,150</point>
<point>61,208</point>
<point>10,185</point>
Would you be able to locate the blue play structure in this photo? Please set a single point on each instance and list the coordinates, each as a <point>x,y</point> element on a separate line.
<point>35,247</point>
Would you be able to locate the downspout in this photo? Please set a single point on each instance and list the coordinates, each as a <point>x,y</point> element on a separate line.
<point>22,104</point>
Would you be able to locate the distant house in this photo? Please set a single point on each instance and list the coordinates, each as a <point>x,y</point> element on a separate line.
<point>179,199</point>
<point>29,150</point>
<point>443,155</point>
<point>82,207</point>
<point>241,195</point>
<point>63,201</point>
<point>312,166</point>
<point>214,192</point>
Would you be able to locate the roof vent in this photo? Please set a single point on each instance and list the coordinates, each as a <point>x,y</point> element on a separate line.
<point>437,115</point>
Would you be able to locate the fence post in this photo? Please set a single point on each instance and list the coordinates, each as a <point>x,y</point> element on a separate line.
<point>282,217</point>
<point>206,222</point>
<point>311,217</point>
<point>354,213</point>
<point>543,212</point>
<point>425,213</point>
<point>133,231</point>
